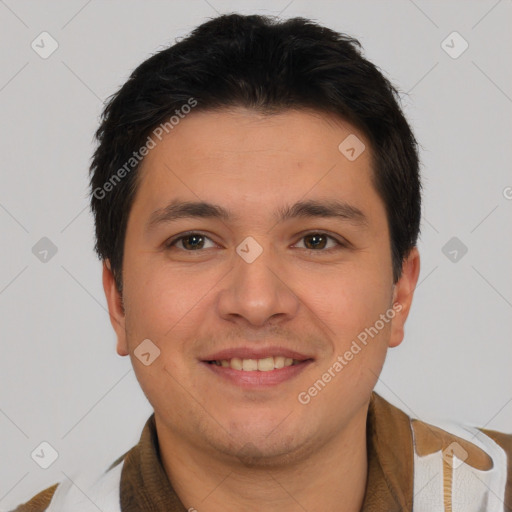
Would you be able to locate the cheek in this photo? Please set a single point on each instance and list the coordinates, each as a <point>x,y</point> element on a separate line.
<point>161,306</point>
<point>160,302</point>
<point>350,298</point>
<point>353,302</point>
<point>353,305</point>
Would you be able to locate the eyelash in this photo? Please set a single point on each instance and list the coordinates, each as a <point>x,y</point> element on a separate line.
<point>173,241</point>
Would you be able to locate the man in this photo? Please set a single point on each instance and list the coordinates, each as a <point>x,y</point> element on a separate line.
<point>257,203</point>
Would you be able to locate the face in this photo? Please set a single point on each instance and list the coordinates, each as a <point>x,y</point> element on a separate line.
<point>258,305</point>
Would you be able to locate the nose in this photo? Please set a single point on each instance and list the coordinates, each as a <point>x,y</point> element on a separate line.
<point>257,293</point>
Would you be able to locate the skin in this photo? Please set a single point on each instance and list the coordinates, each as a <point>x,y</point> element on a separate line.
<point>224,447</point>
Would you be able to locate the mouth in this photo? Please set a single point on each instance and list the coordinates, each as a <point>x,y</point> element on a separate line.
<point>250,369</point>
<point>265,364</point>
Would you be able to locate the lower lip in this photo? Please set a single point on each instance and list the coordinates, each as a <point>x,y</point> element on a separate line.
<point>258,379</point>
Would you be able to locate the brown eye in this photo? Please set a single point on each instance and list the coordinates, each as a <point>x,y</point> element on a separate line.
<point>193,242</point>
<point>319,241</point>
<point>189,242</point>
<point>316,241</point>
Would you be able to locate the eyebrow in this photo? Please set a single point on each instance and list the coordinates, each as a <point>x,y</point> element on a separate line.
<point>336,209</point>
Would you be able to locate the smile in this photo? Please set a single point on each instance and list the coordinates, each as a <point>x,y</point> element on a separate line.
<point>265,364</point>
<point>256,374</point>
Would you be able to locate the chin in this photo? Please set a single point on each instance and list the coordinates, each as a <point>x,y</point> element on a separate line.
<point>269,443</point>
<point>265,453</point>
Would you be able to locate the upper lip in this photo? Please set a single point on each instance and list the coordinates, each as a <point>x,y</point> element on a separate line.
<point>255,353</point>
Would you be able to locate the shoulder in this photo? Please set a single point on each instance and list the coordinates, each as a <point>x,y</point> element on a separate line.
<point>97,491</point>
<point>472,465</point>
<point>447,464</point>
<point>501,438</point>
<point>40,502</point>
<point>504,441</point>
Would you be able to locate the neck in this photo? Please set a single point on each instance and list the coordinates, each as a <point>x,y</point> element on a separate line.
<point>331,477</point>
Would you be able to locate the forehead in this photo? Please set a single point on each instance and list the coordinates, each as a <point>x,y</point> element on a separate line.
<point>247,160</point>
<point>305,135</point>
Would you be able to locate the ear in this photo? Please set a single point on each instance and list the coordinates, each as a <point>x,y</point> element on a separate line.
<point>402,295</point>
<point>115,308</point>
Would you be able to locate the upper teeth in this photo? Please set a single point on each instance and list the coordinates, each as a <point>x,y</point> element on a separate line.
<point>263,365</point>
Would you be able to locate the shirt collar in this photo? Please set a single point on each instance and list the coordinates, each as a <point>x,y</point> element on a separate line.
<point>389,485</point>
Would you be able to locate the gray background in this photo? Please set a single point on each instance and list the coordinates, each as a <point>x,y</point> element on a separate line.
<point>61,379</point>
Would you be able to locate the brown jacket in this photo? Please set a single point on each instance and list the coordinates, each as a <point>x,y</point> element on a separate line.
<point>412,466</point>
